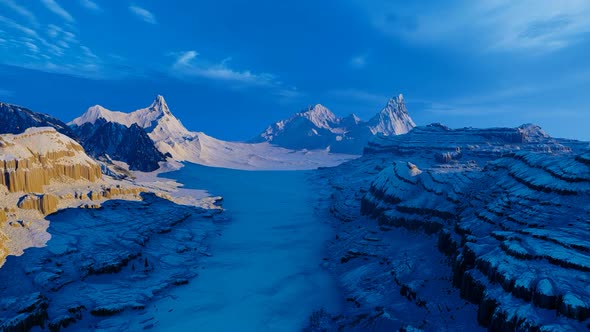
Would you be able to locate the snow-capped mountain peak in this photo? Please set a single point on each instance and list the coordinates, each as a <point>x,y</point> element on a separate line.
<point>320,116</point>
<point>98,112</point>
<point>159,105</point>
<point>393,119</point>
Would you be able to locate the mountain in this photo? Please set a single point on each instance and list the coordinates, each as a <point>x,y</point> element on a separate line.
<point>15,120</point>
<point>131,145</point>
<point>318,128</point>
<point>393,119</point>
<point>455,228</point>
<point>171,138</point>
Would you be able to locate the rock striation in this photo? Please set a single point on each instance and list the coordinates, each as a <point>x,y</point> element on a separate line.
<point>45,203</point>
<point>509,207</point>
<point>30,160</point>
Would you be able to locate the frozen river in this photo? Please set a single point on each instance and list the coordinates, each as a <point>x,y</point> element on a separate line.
<point>264,273</point>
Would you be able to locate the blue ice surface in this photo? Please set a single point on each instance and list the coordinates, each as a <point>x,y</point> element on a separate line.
<point>264,273</point>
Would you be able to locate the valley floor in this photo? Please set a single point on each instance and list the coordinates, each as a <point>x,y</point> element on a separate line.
<point>161,266</point>
<point>264,273</point>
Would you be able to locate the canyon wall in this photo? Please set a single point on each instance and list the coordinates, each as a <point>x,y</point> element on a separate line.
<point>508,207</point>
<point>33,159</point>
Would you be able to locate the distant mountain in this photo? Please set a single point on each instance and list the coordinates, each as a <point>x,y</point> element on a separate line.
<point>130,144</point>
<point>172,139</point>
<point>318,128</point>
<point>15,120</point>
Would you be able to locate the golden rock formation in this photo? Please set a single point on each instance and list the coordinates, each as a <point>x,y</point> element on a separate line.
<point>31,160</point>
<point>45,203</point>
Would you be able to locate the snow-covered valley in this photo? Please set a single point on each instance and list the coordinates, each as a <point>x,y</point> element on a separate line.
<point>255,267</point>
<point>264,272</point>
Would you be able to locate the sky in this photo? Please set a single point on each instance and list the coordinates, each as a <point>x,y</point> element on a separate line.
<point>231,67</point>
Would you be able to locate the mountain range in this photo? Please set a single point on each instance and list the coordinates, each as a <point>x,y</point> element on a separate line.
<point>101,131</point>
<point>319,128</point>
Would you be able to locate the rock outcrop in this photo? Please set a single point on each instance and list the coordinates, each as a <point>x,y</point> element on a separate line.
<point>33,159</point>
<point>509,208</point>
<point>15,120</point>
<point>130,144</point>
<point>45,203</point>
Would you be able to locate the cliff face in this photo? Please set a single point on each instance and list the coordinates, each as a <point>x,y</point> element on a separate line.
<point>507,209</point>
<point>45,203</point>
<point>129,144</point>
<point>31,160</point>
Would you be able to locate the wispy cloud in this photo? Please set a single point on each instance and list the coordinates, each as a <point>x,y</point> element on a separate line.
<point>53,6</point>
<point>21,10</point>
<point>487,25</point>
<point>91,5</point>
<point>187,65</point>
<point>143,14</point>
<point>17,26</point>
<point>358,61</point>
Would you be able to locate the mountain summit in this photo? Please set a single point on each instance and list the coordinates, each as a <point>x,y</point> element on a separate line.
<point>318,128</point>
<point>393,119</point>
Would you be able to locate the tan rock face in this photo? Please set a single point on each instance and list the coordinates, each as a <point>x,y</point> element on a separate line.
<point>31,160</point>
<point>45,203</point>
<point>2,216</point>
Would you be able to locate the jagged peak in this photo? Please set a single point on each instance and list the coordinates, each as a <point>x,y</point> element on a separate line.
<point>159,104</point>
<point>319,115</point>
<point>396,101</point>
<point>393,119</point>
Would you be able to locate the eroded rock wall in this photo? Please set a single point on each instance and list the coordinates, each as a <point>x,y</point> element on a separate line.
<point>31,174</point>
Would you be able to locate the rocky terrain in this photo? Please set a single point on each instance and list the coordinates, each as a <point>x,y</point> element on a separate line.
<point>111,140</point>
<point>447,229</point>
<point>318,128</point>
<point>16,119</point>
<point>100,263</point>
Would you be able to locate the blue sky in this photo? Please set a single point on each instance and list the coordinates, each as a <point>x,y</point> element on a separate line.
<point>231,67</point>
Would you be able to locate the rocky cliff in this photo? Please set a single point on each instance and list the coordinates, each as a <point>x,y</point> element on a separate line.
<point>507,207</point>
<point>15,120</point>
<point>45,203</point>
<point>130,144</point>
<point>33,159</point>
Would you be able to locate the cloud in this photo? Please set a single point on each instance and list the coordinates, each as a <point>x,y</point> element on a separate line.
<point>185,58</point>
<point>21,10</point>
<point>187,64</point>
<point>487,25</point>
<point>53,6</point>
<point>143,14</point>
<point>91,5</point>
<point>358,61</point>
